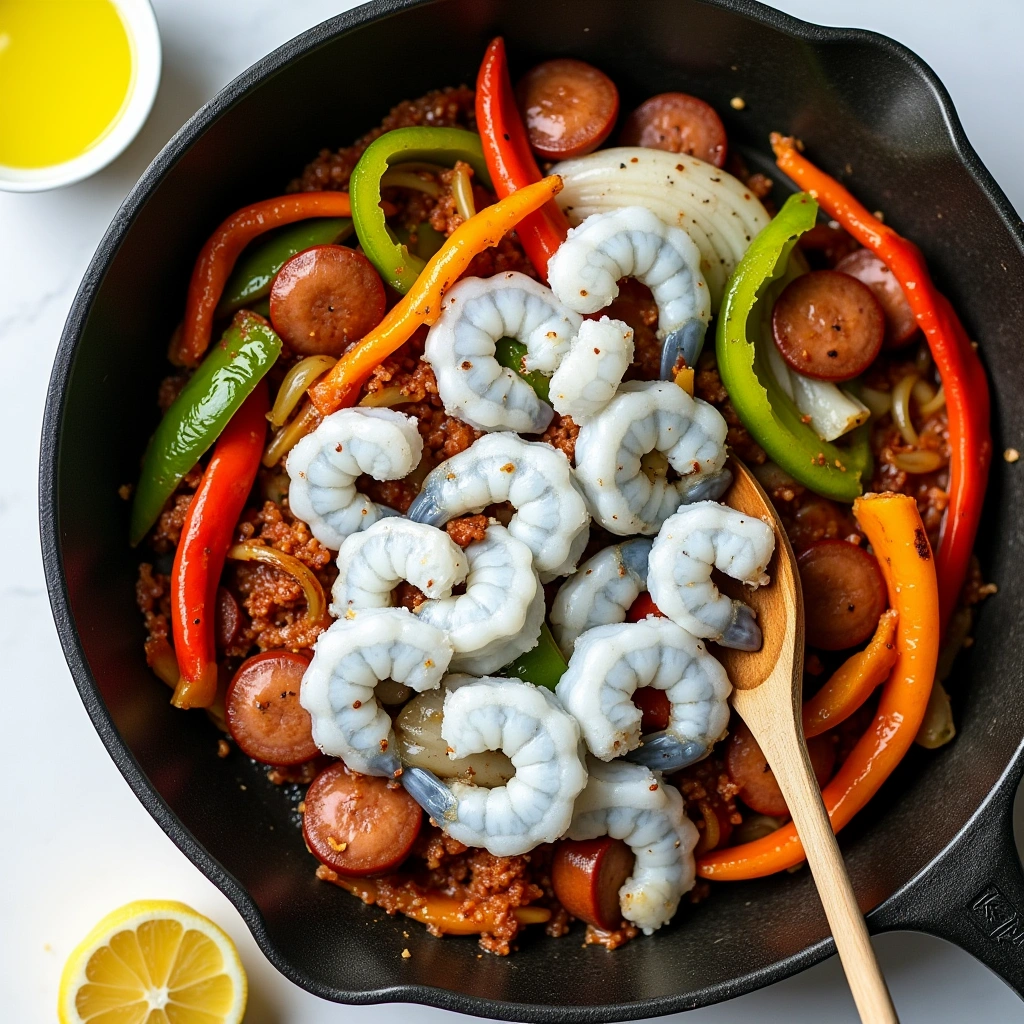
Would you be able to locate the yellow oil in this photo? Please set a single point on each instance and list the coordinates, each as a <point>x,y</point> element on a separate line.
<point>66,71</point>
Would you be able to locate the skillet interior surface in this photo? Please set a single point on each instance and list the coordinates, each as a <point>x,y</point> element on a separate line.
<point>868,110</point>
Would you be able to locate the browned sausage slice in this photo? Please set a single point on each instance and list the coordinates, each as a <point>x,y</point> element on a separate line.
<point>359,824</point>
<point>654,707</point>
<point>587,874</point>
<point>844,594</point>
<point>324,298</point>
<point>678,123</point>
<point>828,325</point>
<point>748,768</point>
<point>900,322</point>
<point>569,107</point>
<point>263,710</point>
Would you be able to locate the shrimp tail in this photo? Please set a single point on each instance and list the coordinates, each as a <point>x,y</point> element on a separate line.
<point>430,793</point>
<point>743,633</point>
<point>664,752</point>
<point>682,347</point>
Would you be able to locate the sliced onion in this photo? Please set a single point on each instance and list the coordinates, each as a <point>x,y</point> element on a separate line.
<point>922,392</point>
<point>832,411</point>
<point>879,402</point>
<point>936,403</point>
<point>316,603</point>
<point>924,460</point>
<point>937,727</point>
<point>288,437</point>
<point>385,398</point>
<point>901,408</point>
<point>462,192</point>
<point>294,386</point>
<point>399,177</point>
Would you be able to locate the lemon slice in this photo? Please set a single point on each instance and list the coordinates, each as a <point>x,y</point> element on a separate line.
<point>153,962</point>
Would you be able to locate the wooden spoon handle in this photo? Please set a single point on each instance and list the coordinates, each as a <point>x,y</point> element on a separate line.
<point>787,754</point>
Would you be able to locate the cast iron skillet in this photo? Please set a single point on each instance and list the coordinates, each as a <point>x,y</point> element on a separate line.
<point>933,852</point>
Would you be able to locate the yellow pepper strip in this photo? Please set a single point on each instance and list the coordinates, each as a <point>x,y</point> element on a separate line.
<point>422,303</point>
<point>854,681</point>
<point>893,526</point>
<point>441,913</point>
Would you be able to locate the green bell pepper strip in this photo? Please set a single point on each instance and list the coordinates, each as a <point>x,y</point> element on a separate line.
<point>225,378</point>
<point>428,240</point>
<point>511,353</point>
<point>255,271</point>
<point>765,410</point>
<point>543,666</point>
<point>396,265</point>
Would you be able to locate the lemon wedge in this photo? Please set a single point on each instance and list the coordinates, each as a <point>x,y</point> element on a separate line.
<point>153,962</point>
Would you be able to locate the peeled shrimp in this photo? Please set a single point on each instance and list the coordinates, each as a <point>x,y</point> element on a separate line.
<point>499,616</point>
<point>716,210</point>
<point>611,662</point>
<point>372,563</point>
<point>632,803</point>
<point>551,516</point>
<point>600,591</point>
<point>591,371</point>
<point>350,659</point>
<point>697,539</point>
<point>630,494</point>
<point>324,465</point>
<point>634,242</point>
<point>460,347</point>
<point>541,740</point>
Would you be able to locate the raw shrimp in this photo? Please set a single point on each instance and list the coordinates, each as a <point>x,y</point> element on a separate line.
<point>499,616</point>
<point>634,242</point>
<point>600,591</point>
<point>592,369</point>
<point>542,741</point>
<point>619,467</point>
<point>697,539</point>
<point>716,210</point>
<point>372,563</point>
<point>476,313</point>
<point>611,662</point>
<point>324,465</point>
<point>551,516</point>
<point>632,803</point>
<point>349,660</point>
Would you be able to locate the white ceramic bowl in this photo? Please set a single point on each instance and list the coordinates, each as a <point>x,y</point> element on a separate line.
<point>144,39</point>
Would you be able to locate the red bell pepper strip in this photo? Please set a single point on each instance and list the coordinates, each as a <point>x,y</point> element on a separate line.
<point>509,158</point>
<point>963,377</point>
<point>893,526</point>
<point>225,245</point>
<point>206,535</point>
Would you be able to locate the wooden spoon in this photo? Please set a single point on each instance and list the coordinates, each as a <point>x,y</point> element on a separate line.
<point>767,693</point>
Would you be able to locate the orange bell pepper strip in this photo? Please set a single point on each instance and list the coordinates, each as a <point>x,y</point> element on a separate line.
<point>963,376</point>
<point>422,303</point>
<point>225,245</point>
<point>893,526</point>
<point>441,913</point>
<point>854,681</point>
<point>510,160</point>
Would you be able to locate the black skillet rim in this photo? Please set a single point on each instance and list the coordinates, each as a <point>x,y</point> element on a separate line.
<point>56,585</point>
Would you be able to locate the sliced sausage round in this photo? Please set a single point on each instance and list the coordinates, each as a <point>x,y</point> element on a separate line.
<point>569,107</point>
<point>359,824</point>
<point>228,619</point>
<point>263,711</point>
<point>587,874</point>
<point>900,322</point>
<point>828,325</point>
<point>749,770</point>
<point>677,123</point>
<point>654,707</point>
<point>324,298</point>
<point>844,594</point>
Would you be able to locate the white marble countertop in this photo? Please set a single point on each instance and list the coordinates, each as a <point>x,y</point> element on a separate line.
<point>75,841</point>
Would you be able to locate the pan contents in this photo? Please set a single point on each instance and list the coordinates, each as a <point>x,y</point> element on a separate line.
<point>433,517</point>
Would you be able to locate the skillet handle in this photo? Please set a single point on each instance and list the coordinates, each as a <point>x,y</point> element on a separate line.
<point>974,896</point>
